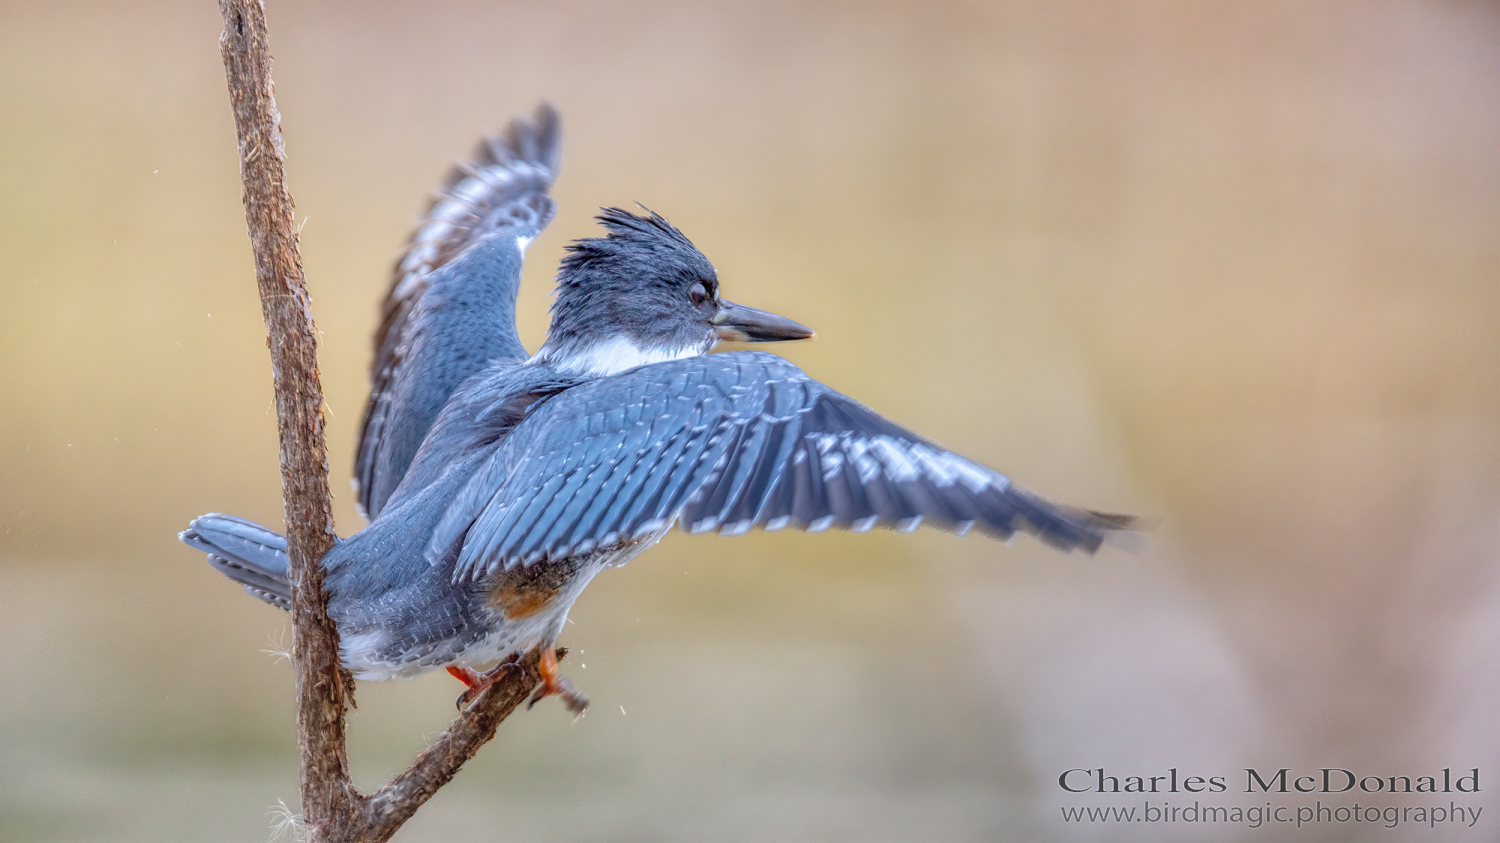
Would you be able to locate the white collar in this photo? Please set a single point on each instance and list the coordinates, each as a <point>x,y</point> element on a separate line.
<point>610,357</point>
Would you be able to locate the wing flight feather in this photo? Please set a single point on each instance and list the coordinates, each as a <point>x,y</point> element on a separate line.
<point>450,310</point>
<point>730,442</point>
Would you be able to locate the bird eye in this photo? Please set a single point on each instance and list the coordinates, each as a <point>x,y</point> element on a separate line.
<point>698,293</point>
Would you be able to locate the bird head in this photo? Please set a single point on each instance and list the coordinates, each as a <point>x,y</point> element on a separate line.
<point>643,293</point>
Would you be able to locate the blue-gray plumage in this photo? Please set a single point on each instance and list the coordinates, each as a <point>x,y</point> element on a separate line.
<point>499,484</point>
<point>451,309</point>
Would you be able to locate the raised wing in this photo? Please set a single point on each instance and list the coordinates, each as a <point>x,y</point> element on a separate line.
<point>452,304</point>
<point>725,442</point>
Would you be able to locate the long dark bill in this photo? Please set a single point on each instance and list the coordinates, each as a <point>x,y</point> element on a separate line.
<point>738,323</point>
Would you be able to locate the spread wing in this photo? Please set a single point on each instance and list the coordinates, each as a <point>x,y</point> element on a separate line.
<point>725,442</point>
<point>451,306</point>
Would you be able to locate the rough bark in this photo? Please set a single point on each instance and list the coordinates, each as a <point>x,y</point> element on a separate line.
<point>332,809</point>
<point>322,686</point>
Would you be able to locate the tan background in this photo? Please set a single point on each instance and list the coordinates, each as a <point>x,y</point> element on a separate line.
<point>1236,264</point>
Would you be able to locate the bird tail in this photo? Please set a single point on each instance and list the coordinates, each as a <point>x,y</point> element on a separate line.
<point>246,552</point>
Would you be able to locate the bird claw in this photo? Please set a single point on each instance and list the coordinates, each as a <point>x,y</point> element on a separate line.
<point>563,687</point>
<point>553,682</point>
<point>478,683</point>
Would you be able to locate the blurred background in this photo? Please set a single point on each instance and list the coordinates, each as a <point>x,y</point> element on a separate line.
<point>1233,264</point>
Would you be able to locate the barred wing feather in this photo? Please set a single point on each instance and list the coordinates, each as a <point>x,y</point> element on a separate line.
<point>451,306</point>
<point>727,442</point>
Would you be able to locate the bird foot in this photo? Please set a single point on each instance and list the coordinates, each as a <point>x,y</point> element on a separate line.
<point>476,683</point>
<point>553,682</point>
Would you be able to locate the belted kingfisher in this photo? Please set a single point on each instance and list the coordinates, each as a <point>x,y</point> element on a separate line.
<point>497,484</point>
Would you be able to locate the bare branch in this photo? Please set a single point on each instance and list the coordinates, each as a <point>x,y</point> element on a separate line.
<point>322,683</point>
<point>332,809</point>
<point>395,803</point>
